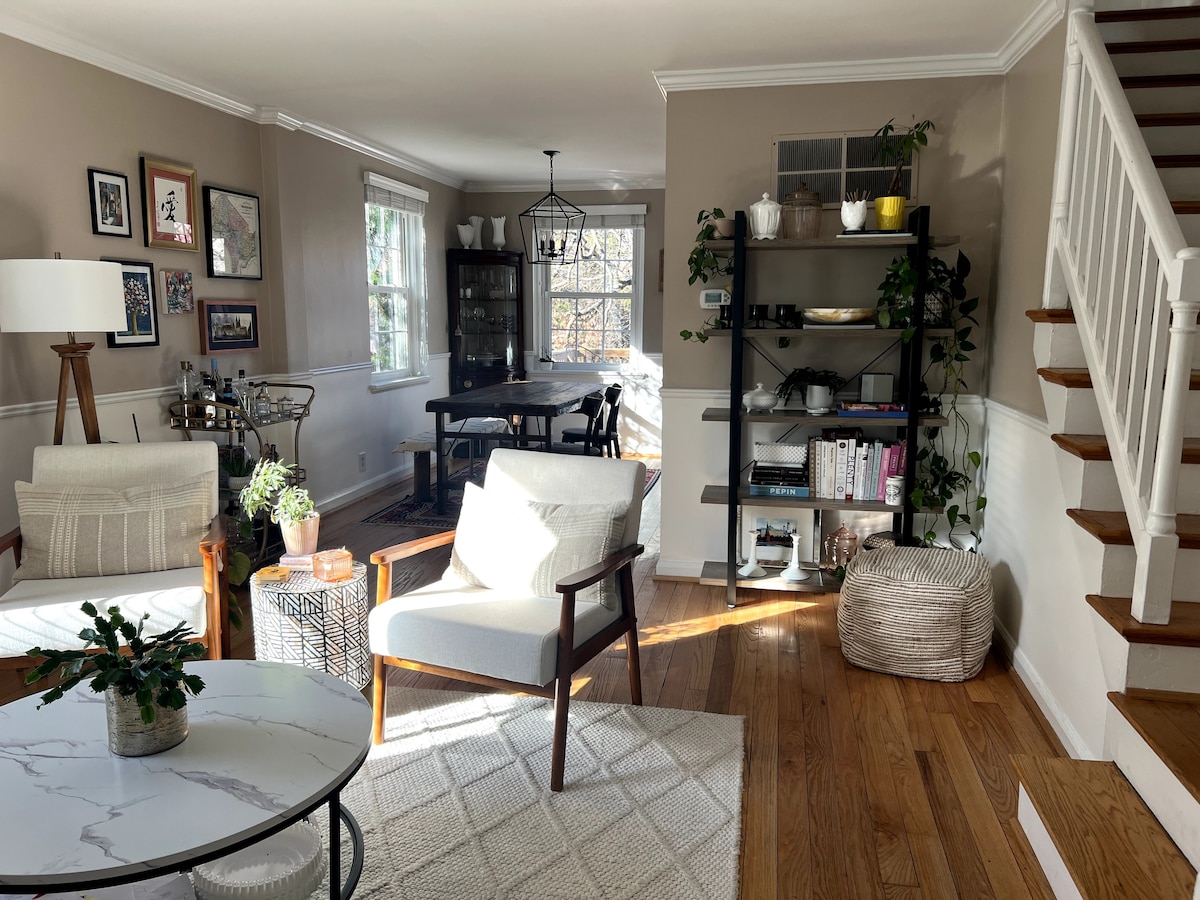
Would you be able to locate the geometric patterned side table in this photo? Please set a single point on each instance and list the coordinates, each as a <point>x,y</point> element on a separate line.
<point>314,623</point>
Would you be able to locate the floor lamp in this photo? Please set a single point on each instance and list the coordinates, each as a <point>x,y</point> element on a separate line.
<point>46,295</point>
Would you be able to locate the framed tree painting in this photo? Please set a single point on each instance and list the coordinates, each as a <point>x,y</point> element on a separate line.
<point>175,294</point>
<point>170,198</point>
<point>141,314</point>
<point>232,222</point>
<point>228,326</point>
<point>109,196</point>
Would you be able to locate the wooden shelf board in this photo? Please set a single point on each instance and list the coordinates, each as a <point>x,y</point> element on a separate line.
<point>713,574</point>
<point>759,333</point>
<point>1052,316</point>
<point>866,242</point>
<point>719,494</point>
<point>781,416</point>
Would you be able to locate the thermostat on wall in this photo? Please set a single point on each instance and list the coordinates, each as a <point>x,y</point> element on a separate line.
<point>713,298</point>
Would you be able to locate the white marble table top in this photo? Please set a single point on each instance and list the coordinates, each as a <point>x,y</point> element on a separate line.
<point>266,742</point>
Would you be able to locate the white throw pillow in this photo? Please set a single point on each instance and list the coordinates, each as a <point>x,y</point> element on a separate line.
<point>526,547</point>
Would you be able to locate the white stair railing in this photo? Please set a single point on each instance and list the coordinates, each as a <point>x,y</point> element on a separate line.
<point>1117,254</point>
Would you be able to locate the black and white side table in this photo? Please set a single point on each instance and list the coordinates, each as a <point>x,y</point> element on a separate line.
<point>309,622</point>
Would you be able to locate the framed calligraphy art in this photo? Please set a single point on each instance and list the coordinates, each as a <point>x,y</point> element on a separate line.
<point>170,199</point>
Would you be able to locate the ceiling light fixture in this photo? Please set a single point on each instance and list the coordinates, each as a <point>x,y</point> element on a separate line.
<point>551,228</point>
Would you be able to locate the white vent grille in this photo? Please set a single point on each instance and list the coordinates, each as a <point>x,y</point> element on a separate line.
<point>834,165</point>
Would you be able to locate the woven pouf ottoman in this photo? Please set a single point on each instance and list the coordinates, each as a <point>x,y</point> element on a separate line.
<point>917,612</point>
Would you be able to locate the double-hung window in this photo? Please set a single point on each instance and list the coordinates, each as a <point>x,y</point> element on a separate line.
<point>589,313</point>
<point>396,279</point>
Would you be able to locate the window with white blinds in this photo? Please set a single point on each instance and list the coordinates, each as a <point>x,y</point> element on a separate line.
<point>396,288</point>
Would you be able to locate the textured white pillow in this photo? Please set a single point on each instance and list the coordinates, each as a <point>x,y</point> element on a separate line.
<point>526,547</point>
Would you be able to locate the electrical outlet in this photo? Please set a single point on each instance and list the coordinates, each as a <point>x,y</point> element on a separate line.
<point>362,462</point>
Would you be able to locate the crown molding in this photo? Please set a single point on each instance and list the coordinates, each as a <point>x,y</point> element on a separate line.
<point>377,151</point>
<point>1035,27</point>
<point>616,183</point>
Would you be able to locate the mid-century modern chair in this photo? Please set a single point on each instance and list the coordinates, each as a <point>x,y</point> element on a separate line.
<point>592,443</point>
<point>130,525</point>
<point>609,439</point>
<point>540,582</point>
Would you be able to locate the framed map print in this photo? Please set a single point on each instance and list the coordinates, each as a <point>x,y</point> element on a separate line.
<point>232,222</point>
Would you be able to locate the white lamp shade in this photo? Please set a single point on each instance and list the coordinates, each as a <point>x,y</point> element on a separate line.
<point>61,295</point>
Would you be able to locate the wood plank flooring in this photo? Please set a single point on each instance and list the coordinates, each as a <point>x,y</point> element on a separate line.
<point>857,784</point>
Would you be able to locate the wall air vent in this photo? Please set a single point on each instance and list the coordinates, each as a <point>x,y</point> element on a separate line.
<point>834,165</point>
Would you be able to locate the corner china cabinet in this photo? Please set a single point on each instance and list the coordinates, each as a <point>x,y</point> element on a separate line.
<point>916,242</point>
<point>486,297</point>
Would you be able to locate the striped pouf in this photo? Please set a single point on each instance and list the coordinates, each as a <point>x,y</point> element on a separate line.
<point>917,612</point>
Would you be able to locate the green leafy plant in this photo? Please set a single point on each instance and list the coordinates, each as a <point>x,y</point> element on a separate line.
<point>700,336</point>
<point>703,263</point>
<point>238,464</point>
<point>798,379</point>
<point>947,469</point>
<point>897,144</point>
<point>271,488</point>
<point>151,670</point>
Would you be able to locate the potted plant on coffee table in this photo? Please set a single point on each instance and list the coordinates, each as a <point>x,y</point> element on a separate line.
<point>272,486</point>
<point>145,688</point>
<point>897,146</point>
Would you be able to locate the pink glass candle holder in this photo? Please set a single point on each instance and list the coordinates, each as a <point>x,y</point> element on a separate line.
<point>333,565</point>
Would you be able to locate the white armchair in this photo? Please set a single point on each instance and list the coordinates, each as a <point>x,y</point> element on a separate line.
<point>131,525</point>
<point>540,582</point>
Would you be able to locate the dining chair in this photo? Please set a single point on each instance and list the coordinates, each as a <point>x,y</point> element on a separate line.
<point>609,440</point>
<point>593,437</point>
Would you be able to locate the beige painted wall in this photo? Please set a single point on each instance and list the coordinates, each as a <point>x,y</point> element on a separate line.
<point>511,204</point>
<point>719,154</point>
<point>60,117</point>
<point>1030,132</point>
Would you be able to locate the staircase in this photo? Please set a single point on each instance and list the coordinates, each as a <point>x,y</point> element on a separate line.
<point>1114,343</point>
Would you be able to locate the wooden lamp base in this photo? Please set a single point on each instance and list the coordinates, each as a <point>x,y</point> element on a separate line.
<point>73,359</point>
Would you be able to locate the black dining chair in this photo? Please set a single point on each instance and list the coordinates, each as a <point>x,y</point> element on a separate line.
<point>609,439</point>
<point>593,437</point>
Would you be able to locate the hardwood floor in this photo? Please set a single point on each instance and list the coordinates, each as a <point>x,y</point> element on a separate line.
<point>856,784</point>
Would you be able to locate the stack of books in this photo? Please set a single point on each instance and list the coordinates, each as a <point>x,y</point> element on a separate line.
<point>847,467</point>
<point>779,480</point>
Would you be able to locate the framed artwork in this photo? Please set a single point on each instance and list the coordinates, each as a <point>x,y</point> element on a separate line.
<point>109,195</point>
<point>175,292</point>
<point>169,200</point>
<point>141,315</point>
<point>231,220</point>
<point>228,326</point>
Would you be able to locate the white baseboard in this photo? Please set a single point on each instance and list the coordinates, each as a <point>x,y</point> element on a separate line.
<point>346,497</point>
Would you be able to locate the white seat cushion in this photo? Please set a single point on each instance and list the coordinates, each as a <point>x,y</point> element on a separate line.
<point>461,626</point>
<point>45,612</point>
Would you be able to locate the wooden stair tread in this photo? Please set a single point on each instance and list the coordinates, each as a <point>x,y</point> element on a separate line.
<point>1052,316</point>
<point>1109,840</point>
<point>1147,15</point>
<point>1182,631</point>
<point>1170,728</point>
<point>1167,119</point>
<point>1177,160</point>
<point>1111,527</point>
<point>1176,45</point>
<point>1136,82</point>
<point>1185,207</point>
<point>1094,447</point>
<point>1082,378</point>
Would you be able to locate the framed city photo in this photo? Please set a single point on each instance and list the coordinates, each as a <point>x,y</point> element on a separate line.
<point>141,315</point>
<point>169,198</point>
<point>231,220</point>
<point>175,292</point>
<point>109,195</point>
<point>228,326</point>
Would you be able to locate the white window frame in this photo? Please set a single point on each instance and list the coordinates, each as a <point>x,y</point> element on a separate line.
<point>410,202</point>
<point>540,287</point>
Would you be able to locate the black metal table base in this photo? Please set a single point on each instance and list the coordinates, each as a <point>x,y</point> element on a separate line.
<point>338,815</point>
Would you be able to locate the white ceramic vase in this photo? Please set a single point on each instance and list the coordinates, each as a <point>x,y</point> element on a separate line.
<point>477,236</point>
<point>794,573</point>
<point>764,218</point>
<point>854,214</point>
<point>466,233</point>
<point>818,397</point>
<point>498,231</point>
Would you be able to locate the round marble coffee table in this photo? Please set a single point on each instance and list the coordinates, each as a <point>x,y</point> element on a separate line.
<point>268,743</point>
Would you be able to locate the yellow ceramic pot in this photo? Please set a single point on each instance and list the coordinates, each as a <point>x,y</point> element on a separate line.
<point>889,213</point>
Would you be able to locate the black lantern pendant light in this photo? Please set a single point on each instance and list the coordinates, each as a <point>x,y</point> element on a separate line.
<point>551,227</point>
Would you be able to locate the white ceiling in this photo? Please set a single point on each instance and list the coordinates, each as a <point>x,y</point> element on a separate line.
<point>470,91</point>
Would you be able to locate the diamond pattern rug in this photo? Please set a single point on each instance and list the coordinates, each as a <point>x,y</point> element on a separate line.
<point>456,804</point>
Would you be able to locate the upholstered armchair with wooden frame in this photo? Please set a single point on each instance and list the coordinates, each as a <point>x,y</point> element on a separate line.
<point>540,582</point>
<point>147,509</point>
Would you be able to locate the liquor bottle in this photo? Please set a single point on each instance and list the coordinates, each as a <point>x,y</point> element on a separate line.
<point>182,381</point>
<point>241,390</point>
<point>215,373</point>
<point>229,399</point>
<point>262,403</point>
<point>208,393</point>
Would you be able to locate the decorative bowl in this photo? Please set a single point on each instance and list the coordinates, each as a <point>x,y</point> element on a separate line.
<point>830,315</point>
<point>289,865</point>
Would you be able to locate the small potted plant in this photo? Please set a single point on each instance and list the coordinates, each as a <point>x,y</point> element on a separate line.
<point>271,487</point>
<point>818,385</point>
<point>238,466</point>
<point>145,689</point>
<point>546,361</point>
<point>897,146</point>
<point>702,262</point>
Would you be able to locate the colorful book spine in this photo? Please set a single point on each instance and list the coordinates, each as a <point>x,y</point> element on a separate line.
<point>885,462</point>
<point>876,456</point>
<point>839,484</point>
<point>860,471</point>
<point>830,479</point>
<point>894,460</point>
<point>778,490</point>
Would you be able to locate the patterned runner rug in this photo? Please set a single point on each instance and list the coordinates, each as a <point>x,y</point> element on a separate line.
<point>456,804</point>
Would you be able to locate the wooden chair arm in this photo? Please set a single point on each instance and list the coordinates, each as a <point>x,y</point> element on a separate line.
<point>411,548</point>
<point>577,581</point>
<point>217,531</point>
<point>12,541</point>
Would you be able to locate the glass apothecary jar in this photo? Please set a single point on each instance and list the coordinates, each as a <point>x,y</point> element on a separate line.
<point>802,213</point>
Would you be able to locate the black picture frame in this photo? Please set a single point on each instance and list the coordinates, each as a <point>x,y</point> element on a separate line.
<point>108,193</point>
<point>228,326</point>
<point>232,224</point>
<point>141,310</point>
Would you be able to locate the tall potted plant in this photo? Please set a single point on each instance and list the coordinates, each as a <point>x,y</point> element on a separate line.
<point>897,146</point>
<point>271,487</point>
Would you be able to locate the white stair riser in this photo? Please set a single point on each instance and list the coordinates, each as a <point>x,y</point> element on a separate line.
<point>1071,411</point>
<point>1178,139</point>
<point>1092,484</point>
<point>1160,100</point>
<point>1108,570</point>
<point>1163,668</point>
<point>1191,229</point>
<point>1114,653</point>
<point>1174,807</point>
<point>1181,184</point>
<point>1061,882</point>
<point>1057,346</point>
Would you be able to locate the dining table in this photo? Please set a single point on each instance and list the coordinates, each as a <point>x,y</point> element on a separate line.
<point>517,401</point>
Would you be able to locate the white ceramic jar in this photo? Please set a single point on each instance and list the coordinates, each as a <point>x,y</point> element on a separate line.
<point>764,218</point>
<point>759,398</point>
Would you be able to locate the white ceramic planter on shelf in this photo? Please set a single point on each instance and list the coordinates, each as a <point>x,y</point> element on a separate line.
<point>300,539</point>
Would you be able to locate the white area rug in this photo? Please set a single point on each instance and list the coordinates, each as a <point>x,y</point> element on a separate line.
<point>456,804</point>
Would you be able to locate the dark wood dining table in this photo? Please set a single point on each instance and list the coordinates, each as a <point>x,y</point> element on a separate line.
<point>513,400</point>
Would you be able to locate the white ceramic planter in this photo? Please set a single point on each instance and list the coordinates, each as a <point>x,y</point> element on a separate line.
<point>300,539</point>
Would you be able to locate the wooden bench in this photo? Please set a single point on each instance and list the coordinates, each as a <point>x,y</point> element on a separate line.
<point>420,446</point>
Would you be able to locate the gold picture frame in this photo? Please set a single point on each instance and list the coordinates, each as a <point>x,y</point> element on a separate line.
<point>170,201</point>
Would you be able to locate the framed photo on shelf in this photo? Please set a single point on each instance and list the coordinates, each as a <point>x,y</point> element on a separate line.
<point>175,292</point>
<point>141,314</point>
<point>232,222</point>
<point>169,200</point>
<point>228,326</point>
<point>109,196</point>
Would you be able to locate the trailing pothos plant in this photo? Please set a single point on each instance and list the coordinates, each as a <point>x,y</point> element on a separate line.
<point>703,263</point>
<point>947,467</point>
